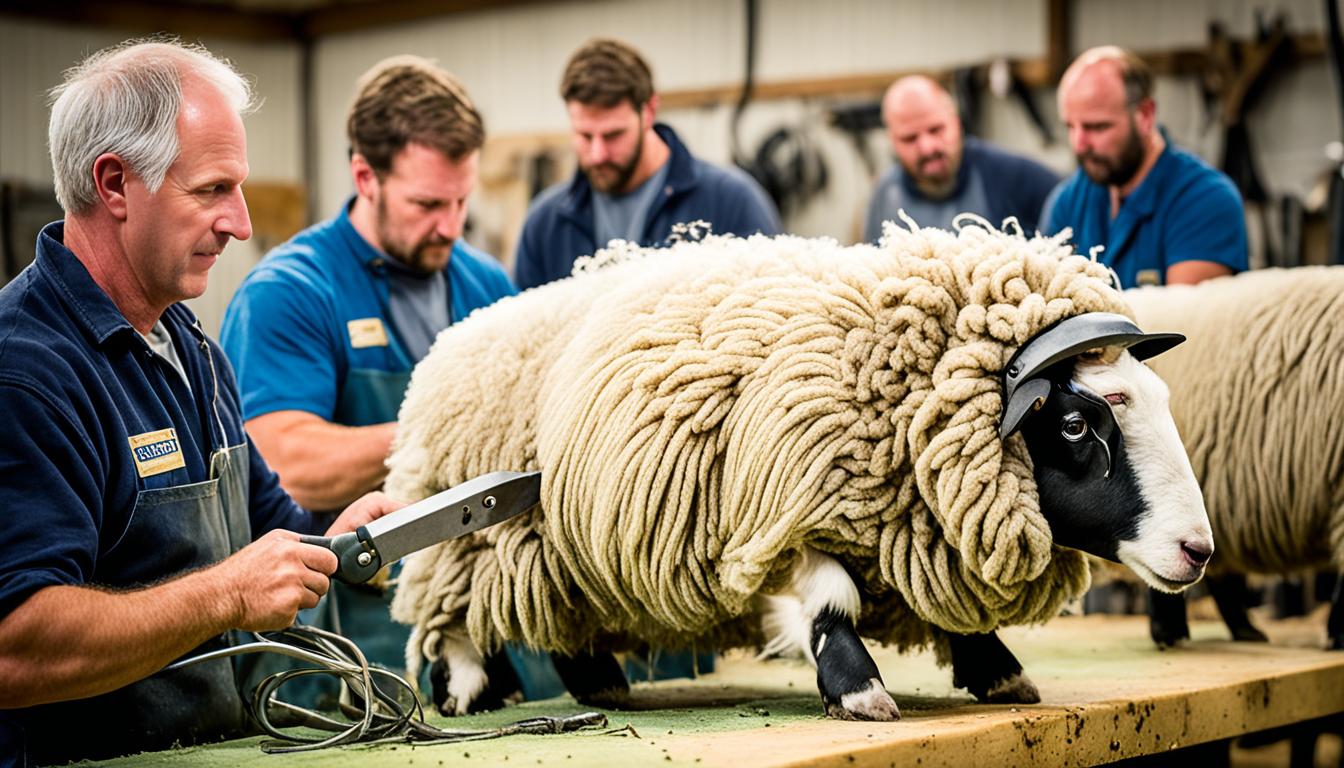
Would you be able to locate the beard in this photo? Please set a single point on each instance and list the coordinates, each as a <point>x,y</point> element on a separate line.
<point>1115,171</point>
<point>428,256</point>
<point>609,177</point>
<point>937,186</point>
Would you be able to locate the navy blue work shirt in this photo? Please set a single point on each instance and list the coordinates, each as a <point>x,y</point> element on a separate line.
<point>94,417</point>
<point>559,227</point>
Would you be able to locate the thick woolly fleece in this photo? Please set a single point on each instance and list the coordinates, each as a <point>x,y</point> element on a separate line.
<point>1256,393</point>
<point>702,412</point>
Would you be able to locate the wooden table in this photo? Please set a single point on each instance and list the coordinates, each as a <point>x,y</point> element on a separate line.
<point>1107,694</point>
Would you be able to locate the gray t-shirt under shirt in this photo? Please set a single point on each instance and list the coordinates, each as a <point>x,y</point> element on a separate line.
<point>418,306</point>
<point>891,196</point>
<point>161,342</point>
<point>622,217</point>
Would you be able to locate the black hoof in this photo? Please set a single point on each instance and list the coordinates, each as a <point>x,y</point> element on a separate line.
<point>871,703</point>
<point>1248,634</point>
<point>1167,624</point>
<point>594,679</point>
<point>985,667</point>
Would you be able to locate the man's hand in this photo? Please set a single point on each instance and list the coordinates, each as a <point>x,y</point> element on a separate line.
<point>274,577</point>
<point>365,510</point>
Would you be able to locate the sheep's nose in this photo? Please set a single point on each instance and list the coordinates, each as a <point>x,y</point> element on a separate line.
<point>1198,553</point>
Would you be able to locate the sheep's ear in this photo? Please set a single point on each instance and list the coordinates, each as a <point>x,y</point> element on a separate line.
<point>1029,396</point>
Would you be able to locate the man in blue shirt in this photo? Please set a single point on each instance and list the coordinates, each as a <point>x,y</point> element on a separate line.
<point>140,524</point>
<point>635,178</point>
<point>1163,215</point>
<point>325,330</point>
<point>938,175</point>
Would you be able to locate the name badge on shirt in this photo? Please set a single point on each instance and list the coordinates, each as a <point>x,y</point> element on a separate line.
<point>1148,277</point>
<point>367,332</point>
<point>156,452</point>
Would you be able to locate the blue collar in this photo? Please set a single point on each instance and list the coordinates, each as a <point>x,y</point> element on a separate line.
<point>682,175</point>
<point>372,259</point>
<point>91,307</point>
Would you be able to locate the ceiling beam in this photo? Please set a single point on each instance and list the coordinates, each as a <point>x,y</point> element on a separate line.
<point>146,16</point>
<point>357,17</point>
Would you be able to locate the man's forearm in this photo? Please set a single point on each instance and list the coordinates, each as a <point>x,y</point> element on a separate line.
<point>324,466</point>
<point>69,642</point>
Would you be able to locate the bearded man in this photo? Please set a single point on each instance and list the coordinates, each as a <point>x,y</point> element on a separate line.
<point>940,172</point>
<point>325,330</point>
<point>635,179</point>
<point>1163,215</point>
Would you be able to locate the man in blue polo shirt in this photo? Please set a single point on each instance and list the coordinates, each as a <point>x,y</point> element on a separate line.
<point>325,330</point>
<point>938,174</point>
<point>1162,214</point>
<point>635,180</point>
<point>139,523</point>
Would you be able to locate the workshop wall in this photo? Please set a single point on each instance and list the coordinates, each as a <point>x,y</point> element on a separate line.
<point>510,59</point>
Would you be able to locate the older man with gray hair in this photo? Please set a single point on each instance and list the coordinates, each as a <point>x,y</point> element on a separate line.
<point>141,523</point>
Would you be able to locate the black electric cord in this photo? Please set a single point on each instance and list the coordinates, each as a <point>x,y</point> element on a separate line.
<point>389,711</point>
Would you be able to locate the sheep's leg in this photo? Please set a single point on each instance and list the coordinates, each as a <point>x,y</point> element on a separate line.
<point>462,681</point>
<point>1166,618</point>
<point>594,679</point>
<point>817,615</point>
<point>983,665</point>
<point>1334,626</point>
<point>1229,594</point>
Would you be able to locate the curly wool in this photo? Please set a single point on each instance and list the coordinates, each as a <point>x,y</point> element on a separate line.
<point>1256,393</point>
<point>702,412</point>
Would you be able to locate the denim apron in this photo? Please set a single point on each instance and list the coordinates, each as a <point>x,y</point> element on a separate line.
<point>171,530</point>
<point>374,397</point>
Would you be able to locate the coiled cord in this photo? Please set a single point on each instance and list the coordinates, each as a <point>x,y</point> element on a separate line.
<point>388,709</point>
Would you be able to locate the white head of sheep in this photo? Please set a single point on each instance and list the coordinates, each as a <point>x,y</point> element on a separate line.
<point>1113,477</point>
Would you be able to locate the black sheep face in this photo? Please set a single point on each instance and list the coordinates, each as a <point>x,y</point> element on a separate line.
<point>1113,477</point>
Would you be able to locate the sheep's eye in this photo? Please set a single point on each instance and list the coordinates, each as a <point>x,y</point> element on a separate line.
<point>1074,427</point>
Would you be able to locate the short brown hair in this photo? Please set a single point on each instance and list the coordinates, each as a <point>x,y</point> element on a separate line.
<point>604,73</point>
<point>408,99</point>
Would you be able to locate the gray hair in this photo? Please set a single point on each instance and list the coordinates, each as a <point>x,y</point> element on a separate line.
<point>125,100</point>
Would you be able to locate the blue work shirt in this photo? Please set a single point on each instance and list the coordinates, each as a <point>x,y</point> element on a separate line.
<point>1183,210</point>
<point>315,312</point>
<point>77,382</point>
<point>94,420</point>
<point>559,227</point>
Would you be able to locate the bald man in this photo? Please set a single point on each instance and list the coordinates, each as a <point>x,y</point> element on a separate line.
<point>938,174</point>
<point>1162,214</point>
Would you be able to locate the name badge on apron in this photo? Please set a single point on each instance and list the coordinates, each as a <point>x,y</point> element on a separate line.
<point>156,452</point>
<point>367,332</point>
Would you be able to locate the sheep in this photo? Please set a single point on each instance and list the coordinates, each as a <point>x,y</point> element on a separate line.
<point>786,442</point>
<point>1256,394</point>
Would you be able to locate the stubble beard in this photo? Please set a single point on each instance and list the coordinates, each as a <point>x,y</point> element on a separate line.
<point>620,175</point>
<point>1119,171</point>
<point>417,257</point>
